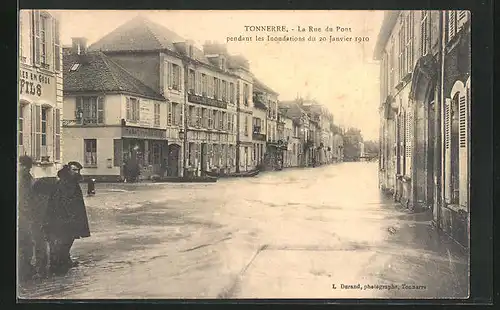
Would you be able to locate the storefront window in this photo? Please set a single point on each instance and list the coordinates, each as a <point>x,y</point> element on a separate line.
<point>90,146</point>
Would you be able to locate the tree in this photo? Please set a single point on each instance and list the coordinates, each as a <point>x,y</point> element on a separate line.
<point>352,140</point>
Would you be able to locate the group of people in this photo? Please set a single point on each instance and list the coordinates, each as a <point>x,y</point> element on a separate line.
<point>51,215</point>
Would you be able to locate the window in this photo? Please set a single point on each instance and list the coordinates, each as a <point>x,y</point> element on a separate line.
<point>197,83</point>
<point>57,46</point>
<point>204,117</point>
<point>204,85</point>
<point>192,116</point>
<point>92,109</point>
<point>157,114</point>
<point>169,113</point>
<point>220,119</point>
<point>21,40</point>
<point>176,82</point>
<point>211,117</point>
<point>246,126</point>
<point>424,33</point>
<point>216,88</point>
<point>44,127</point>
<point>43,39</point>
<point>133,110</point>
<point>90,146</point>
<point>210,85</point>
<point>245,94</point>
<point>198,116</point>
<point>231,92</point>
<point>224,90</point>
<point>173,73</point>
<point>401,57</point>
<point>224,121</point>
<point>20,125</point>
<point>191,81</point>
<point>409,43</point>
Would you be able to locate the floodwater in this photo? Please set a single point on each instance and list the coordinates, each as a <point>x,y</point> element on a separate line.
<point>324,232</point>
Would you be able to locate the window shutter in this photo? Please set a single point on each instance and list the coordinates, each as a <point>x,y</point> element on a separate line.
<point>452,19</point>
<point>447,151</point>
<point>57,46</point>
<point>36,37</point>
<point>117,152</point>
<point>170,72</point>
<point>58,134</point>
<point>463,152</point>
<point>461,19</point>
<point>100,110</point>
<point>409,142</point>
<point>129,116</point>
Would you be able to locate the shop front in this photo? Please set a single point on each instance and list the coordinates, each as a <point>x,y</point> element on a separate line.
<point>146,147</point>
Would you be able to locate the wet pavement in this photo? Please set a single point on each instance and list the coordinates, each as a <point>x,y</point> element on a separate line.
<point>324,232</point>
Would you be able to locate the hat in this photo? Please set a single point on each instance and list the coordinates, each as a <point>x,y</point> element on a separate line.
<point>76,164</point>
<point>26,161</point>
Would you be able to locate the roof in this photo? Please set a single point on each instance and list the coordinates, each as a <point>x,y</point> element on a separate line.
<point>99,73</point>
<point>258,85</point>
<point>291,109</point>
<point>138,34</point>
<point>390,19</point>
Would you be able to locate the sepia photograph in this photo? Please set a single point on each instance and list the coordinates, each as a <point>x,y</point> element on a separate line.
<point>176,154</point>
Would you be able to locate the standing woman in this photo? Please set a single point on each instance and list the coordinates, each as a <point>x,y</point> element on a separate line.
<point>66,218</point>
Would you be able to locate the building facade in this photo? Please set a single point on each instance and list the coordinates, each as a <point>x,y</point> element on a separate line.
<point>259,126</point>
<point>425,77</point>
<point>112,119</point>
<point>40,107</point>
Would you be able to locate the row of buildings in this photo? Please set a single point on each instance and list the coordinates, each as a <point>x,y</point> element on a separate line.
<point>142,92</point>
<point>425,100</point>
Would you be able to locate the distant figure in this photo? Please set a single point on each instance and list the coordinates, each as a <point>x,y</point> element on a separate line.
<point>25,218</point>
<point>66,218</point>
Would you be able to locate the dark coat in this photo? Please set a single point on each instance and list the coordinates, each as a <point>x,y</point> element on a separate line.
<point>25,201</point>
<point>66,214</point>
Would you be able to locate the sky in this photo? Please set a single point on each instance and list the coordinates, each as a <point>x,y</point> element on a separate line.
<point>342,76</point>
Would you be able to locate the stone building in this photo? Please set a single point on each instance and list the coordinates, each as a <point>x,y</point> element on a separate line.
<point>111,117</point>
<point>196,84</point>
<point>40,107</point>
<point>425,77</point>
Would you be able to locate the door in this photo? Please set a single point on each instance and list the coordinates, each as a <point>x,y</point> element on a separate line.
<point>204,157</point>
<point>173,159</point>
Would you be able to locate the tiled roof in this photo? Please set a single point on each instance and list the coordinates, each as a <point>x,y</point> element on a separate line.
<point>138,34</point>
<point>292,109</point>
<point>98,73</point>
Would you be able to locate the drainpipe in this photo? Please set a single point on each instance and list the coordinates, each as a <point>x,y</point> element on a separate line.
<point>439,123</point>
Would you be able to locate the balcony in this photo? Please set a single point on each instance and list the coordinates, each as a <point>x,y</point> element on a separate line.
<point>258,136</point>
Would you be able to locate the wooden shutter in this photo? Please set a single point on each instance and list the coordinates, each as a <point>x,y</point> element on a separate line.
<point>128,116</point>
<point>447,150</point>
<point>170,72</point>
<point>452,20</point>
<point>36,37</point>
<point>409,140</point>
<point>463,152</point>
<point>100,110</point>
<point>57,46</point>
<point>461,19</point>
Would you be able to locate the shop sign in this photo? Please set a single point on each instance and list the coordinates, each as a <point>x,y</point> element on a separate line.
<point>36,85</point>
<point>143,133</point>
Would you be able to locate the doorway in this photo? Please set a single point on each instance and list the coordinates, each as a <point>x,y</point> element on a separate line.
<point>173,159</point>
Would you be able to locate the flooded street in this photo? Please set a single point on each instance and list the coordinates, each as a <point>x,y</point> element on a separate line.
<point>298,233</point>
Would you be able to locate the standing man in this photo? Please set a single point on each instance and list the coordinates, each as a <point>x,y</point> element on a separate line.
<point>25,218</point>
<point>66,218</point>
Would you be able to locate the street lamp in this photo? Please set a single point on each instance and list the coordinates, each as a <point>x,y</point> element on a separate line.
<point>181,134</point>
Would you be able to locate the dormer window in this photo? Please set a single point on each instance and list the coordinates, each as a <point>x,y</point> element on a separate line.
<point>74,67</point>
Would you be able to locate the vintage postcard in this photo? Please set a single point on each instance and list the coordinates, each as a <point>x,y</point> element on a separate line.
<point>243,154</point>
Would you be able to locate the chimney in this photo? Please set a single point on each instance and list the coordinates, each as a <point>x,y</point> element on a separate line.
<point>79,45</point>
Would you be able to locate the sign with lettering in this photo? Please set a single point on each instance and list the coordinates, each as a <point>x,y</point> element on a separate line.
<point>146,113</point>
<point>144,133</point>
<point>206,101</point>
<point>37,85</point>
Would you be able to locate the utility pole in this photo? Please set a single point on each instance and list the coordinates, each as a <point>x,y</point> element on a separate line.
<point>185,62</point>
